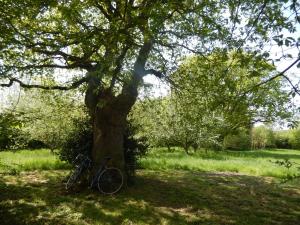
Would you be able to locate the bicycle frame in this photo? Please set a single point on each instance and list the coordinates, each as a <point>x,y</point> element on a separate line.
<point>99,171</point>
<point>83,161</point>
<point>109,180</point>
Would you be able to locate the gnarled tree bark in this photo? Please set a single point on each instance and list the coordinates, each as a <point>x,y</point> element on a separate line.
<point>109,112</point>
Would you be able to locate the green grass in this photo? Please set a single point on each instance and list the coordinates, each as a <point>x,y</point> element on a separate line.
<point>158,197</point>
<point>257,163</point>
<point>173,189</point>
<point>26,160</point>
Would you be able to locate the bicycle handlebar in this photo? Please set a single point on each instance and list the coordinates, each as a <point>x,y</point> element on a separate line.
<point>81,158</point>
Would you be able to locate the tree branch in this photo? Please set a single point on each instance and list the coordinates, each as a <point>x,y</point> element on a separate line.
<point>160,75</point>
<point>281,74</point>
<point>56,87</point>
<point>103,11</point>
<point>155,73</point>
<point>57,52</point>
<point>118,68</point>
<point>41,66</point>
<point>139,65</point>
<point>291,83</point>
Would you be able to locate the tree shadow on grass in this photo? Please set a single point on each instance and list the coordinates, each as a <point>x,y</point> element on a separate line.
<point>156,198</point>
<point>222,199</point>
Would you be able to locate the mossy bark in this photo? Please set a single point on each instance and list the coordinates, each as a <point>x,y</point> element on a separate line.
<point>109,113</point>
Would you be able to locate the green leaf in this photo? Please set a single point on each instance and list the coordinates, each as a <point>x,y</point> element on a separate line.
<point>287,42</point>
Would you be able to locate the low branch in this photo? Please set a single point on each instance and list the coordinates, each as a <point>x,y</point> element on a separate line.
<point>155,73</point>
<point>74,65</point>
<point>296,90</point>
<point>160,75</point>
<point>56,87</point>
<point>56,52</point>
<point>281,74</point>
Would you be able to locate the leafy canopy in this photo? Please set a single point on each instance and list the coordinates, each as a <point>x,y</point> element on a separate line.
<point>228,85</point>
<point>113,40</point>
<point>213,97</point>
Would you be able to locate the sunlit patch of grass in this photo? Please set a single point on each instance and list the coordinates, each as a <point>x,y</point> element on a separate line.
<point>26,160</point>
<point>258,163</point>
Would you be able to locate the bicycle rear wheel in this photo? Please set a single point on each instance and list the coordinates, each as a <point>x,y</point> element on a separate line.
<point>110,181</point>
<point>73,177</point>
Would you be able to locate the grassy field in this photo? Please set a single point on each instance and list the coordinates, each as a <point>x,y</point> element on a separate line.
<point>26,160</point>
<point>177,193</point>
<point>256,163</point>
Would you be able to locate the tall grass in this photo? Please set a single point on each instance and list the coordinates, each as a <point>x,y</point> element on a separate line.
<point>257,163</point>
<point>24,160</point>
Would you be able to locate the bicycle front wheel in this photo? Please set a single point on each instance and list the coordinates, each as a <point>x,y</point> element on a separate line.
<point>73,178</point>
<point>110,181</point>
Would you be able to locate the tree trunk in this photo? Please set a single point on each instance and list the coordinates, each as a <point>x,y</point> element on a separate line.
<point>108,131</point>
<point>186,148</point>
<point>109,113</point>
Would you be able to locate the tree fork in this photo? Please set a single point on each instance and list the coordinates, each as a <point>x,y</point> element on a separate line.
<point>109,112</point>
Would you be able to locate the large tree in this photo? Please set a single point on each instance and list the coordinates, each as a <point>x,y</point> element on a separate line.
<point>209,87</point>
<point>116,43</point>
<point>208,104</point>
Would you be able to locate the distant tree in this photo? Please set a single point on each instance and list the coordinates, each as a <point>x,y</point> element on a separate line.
<point>11,135</point>
<point>48,117</point>
<point>282,139</point>
<point>238,140</point>
<point>221,90</point>
<point>152,120</point>
<point>294,138</point>
<point>262,137</point>
<point>200,113</point>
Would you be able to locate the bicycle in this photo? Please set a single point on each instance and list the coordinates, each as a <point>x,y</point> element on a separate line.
<point>109,180</point>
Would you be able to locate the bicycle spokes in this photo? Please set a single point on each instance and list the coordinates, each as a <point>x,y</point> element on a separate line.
<point>110,181</point>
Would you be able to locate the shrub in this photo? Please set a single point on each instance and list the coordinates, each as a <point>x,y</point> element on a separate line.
<point>282,139</point>
<point>35,144</point>
<point>262,137</point>
<point>81,141</point>
<point>11,135</point>
<point>294,138</point>
<point>133,149</point>
<point>239,141</point>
